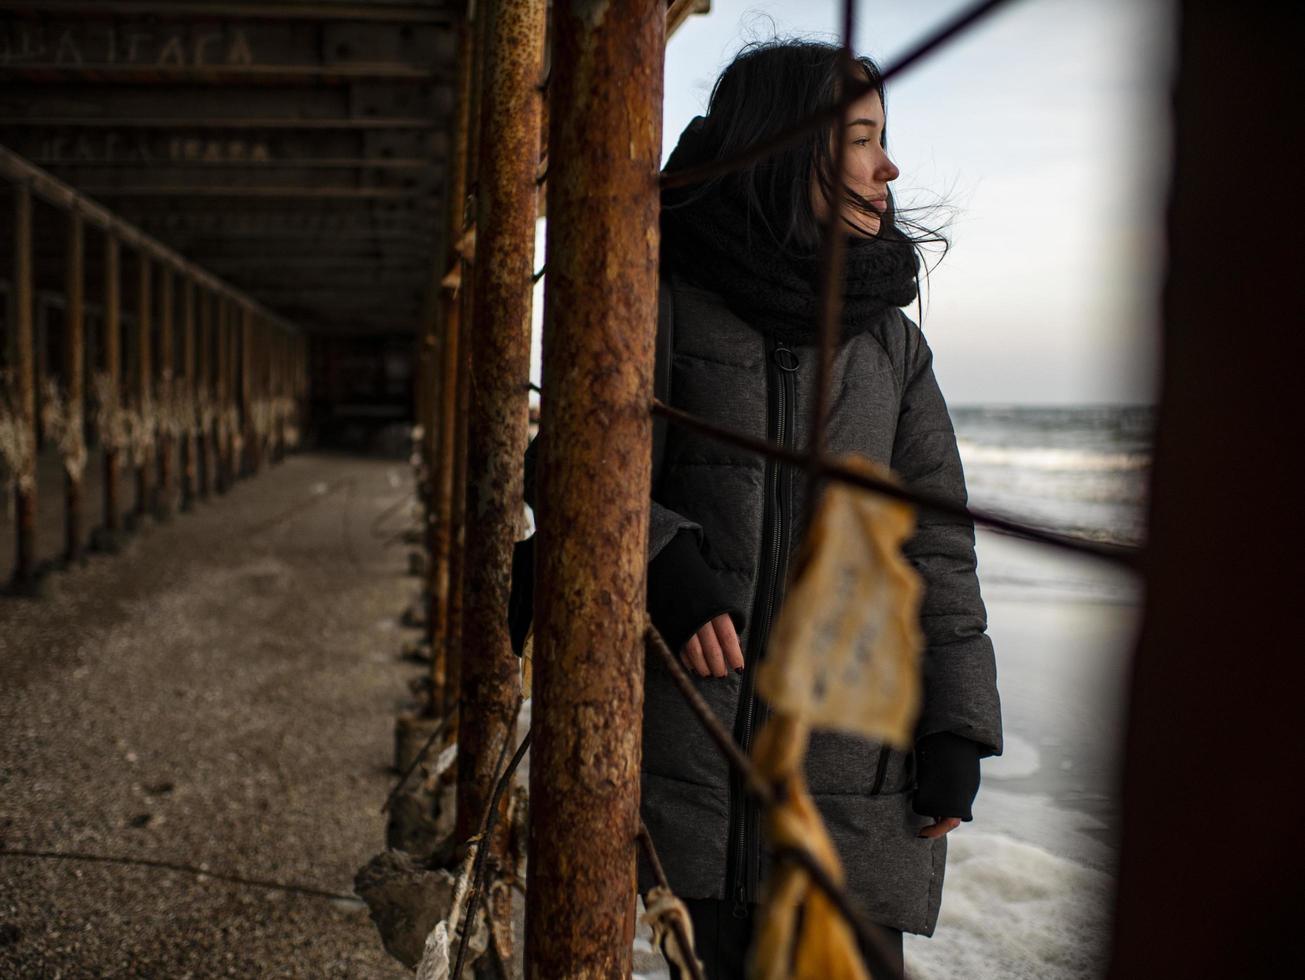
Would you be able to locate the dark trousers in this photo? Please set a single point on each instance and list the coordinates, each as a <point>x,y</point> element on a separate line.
<point>722,939</point>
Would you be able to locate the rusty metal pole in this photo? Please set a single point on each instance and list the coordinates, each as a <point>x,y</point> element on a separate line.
<point>466,328</point>
<point>144,380</point>
<point>24,393</point>
<point>220,400</point>
<point>250,455</point>
<point>498,416</point>
<point>441,524</point>
<point>113,381</point>
<point>604,149</point>
<point>75,382</point>
<point>166,383</point>
<point>205,393</point>
<point>234,438</point>
<point>189,447</point>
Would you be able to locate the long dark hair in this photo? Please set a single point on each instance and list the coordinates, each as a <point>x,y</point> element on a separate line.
<point>769,87</point>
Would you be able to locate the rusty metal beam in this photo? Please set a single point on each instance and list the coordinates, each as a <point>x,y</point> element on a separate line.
<point>74,371</point>
<point>112,367</point>
<point>23,395</point>
<point>604,149</point>
<point>497,420</point>
<point>56,192</point>
<point>393,11</point>
<point>144,382</point>
<point>165,383</point>
<point>440,527</point>
<point>299,192</point>
<point>189,439</point>
<point>201,107</point>
<point>205,384</point>
<point>106,73</point>
<point>678,11</point>
<point>181,122</point>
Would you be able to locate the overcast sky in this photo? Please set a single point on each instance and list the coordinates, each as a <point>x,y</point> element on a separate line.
<point>1043,130</point>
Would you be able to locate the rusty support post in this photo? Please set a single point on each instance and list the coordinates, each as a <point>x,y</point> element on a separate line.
<point>111,439</point>
<point>206,372</point>
<point>250,455</point>
<point>166,384</point>
<point>144,383</point>
<point>24,390</point>
<point>604,149</point>
<point>466,329</point>
<point>498,422</point>
<point>189,443</point>
<point>441,525</point>
<point>222,449</point>
<point>74,370</point>
<point>235,439</point>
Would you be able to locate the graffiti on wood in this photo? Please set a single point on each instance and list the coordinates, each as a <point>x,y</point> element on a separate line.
<point>71,46</point>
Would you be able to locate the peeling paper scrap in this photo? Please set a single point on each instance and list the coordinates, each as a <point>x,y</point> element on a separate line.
<point>844,652</point>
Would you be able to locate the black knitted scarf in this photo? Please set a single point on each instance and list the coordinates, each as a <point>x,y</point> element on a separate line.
<point>714,242</point>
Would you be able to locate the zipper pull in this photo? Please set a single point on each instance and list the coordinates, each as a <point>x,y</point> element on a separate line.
<point>785,358</point>
<point>740,910</point>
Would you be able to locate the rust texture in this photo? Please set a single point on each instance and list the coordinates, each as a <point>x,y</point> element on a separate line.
<point>497,418</point>
<point>113,369</point>
<point>604,150</point>
<point>190,444</point>
<point>144,376</point>
<point>24,383</point>
<point>220,397</point>
<point>205,372</point>
<point>166,382</point>
<point>441,524</point>
<point>74,374</point>
<point>462,368</point>
<point>247,392</point>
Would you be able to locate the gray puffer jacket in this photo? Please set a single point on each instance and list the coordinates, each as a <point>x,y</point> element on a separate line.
<point>885,405</point>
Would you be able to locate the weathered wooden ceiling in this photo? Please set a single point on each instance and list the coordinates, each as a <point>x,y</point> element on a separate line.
<point>296,148</point>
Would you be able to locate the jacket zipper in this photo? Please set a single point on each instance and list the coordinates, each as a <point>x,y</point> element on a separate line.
<point>782,364</point>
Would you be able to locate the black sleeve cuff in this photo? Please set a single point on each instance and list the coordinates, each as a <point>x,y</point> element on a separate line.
<point>947,775</point>
<point>684,592</point>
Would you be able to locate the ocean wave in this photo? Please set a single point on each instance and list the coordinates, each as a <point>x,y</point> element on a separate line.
<point>1050,458</point>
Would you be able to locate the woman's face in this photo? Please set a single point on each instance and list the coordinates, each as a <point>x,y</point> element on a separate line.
<point>866,167</point>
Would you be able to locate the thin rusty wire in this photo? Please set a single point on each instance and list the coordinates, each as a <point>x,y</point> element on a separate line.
<point>677,927</point>
<point>1121,555</point>
<point>870,936</point>
<point>782,141</point>
<point>833,245</point>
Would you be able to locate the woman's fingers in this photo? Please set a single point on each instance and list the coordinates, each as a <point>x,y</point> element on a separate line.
<point>693,650</point>
<point>729,641</point>
<point>940,826</point>
<point>711,650</point>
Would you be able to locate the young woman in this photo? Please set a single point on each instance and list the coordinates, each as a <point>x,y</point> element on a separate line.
<point>741,278</point>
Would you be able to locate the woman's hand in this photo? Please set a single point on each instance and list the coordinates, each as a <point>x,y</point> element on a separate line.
<point>713,648</point>
<point>939,827</point>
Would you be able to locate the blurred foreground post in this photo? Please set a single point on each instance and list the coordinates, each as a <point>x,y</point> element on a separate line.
<point>1210,880</point>
<point>601,306</point>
